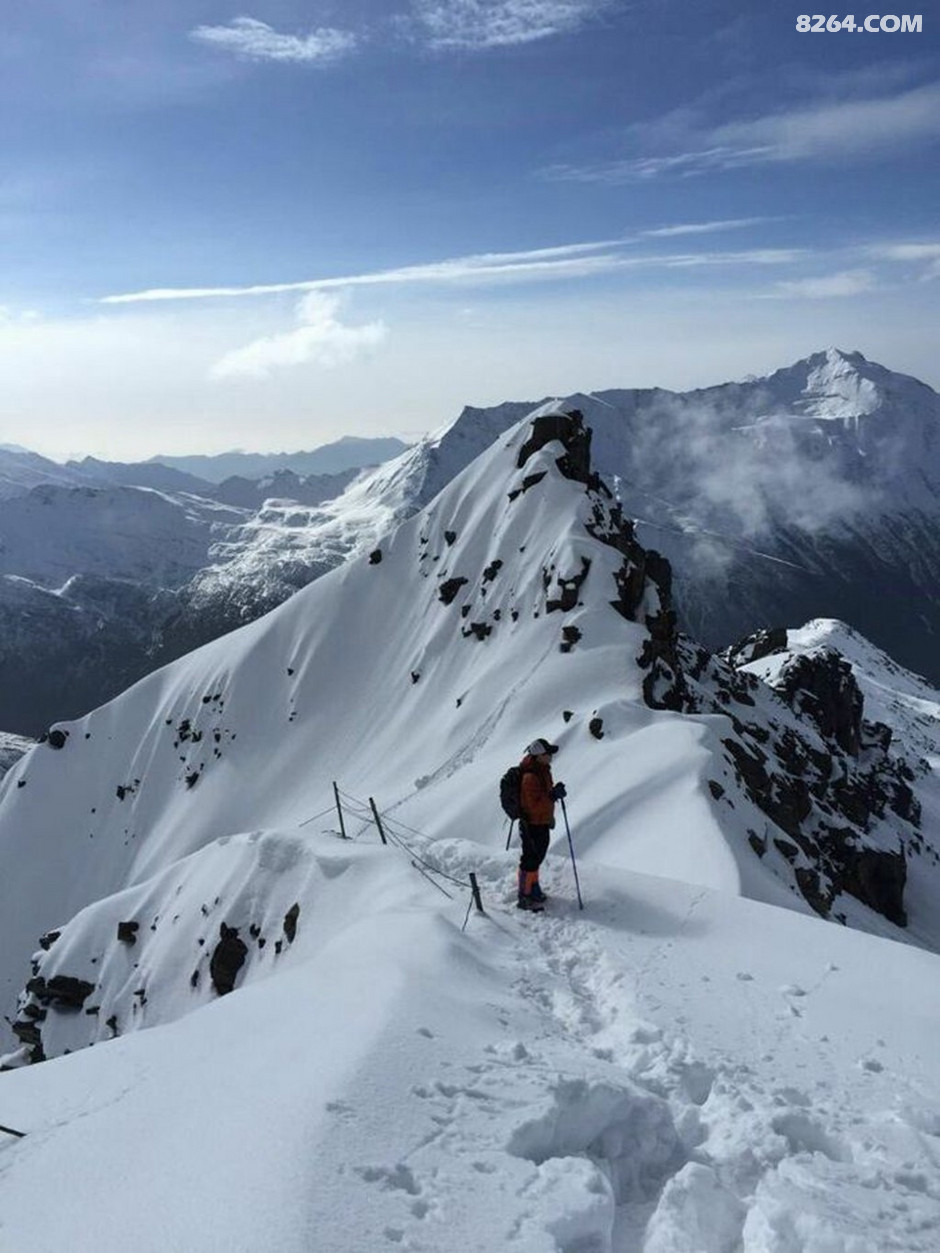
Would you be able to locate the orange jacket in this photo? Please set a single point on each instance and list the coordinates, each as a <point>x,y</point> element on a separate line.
<point>536,802</point>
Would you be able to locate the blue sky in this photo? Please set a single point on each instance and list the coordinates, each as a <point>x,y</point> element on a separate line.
<point>273,225</point>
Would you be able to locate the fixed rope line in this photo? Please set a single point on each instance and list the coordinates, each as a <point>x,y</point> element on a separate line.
<point>462,883</point>
<point>322,814</point>
<point>386,825</point>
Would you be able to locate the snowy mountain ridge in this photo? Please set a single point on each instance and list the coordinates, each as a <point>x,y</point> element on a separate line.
<point>674,1069</point>
<point>812,492</point>
<point>773,490</point>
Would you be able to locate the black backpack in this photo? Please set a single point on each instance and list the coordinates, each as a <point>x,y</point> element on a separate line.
<point>510,789</point>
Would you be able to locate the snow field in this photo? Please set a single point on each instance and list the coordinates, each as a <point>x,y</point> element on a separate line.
<point>634,1078</point>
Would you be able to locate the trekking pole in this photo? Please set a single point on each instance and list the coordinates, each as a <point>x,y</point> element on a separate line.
<point>512,823</point>
<point>10,1132</point>
<point>574,864</point>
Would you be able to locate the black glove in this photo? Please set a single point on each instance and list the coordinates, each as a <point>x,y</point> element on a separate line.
<point>559,792</point>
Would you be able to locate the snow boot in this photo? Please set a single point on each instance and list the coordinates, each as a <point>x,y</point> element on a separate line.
<point>527,899</point>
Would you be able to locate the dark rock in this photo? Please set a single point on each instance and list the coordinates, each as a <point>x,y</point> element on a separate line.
<point>596,728</point>
<point>569,430</point>
<point>46,941</point>
<point>127,932</point>
<point>876,735</point>
<point>62,991</point>
<point>810,884</point>
<point>877,879</point>
<point>192,778</point>
<point>750,767</point>
<point>479,629</point>
<point>57,738</point>
<point>415,676</point>
<point>569,637</point>
<point>491,571</point>
<point>530,480</point>
<point>567,714</point>
<point>450,537</point>
<point>822,685</point>
<point>227,959</point>
<point>763,643</point>
<point>757,844</point>
<point>290,922</point>
<point>375,557</point>
<point>570,589</point>
<point>449,589</point>
<point>716,789</point>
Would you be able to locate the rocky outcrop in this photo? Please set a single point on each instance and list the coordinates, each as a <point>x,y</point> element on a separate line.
<point>765,643</point>
<point>569,430</point>
<point>841,816</point>
<point>821,684</point>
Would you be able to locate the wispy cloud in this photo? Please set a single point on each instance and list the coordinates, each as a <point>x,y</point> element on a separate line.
<point>908,251</point>
<point>321,339</point>
<point>703,228</point>
<point>251,40</point>
<point>563,262</point>
<point>480,24</point>
<point>853,129</point>
<point>911,252</point>
<point>826,286</point>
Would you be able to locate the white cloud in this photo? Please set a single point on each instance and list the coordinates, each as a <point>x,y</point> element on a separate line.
<point>320,339</point>
<point>846,283</point>
<point>841,130</point>
<point>567,261</point>
<point>846,128</point>
<point>703,228</point>
<point>252,40</point>
<point>478,24</point>
<point>908,252</point>
<point>915,252</point>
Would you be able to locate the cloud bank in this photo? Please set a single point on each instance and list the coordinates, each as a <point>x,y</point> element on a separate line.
<point>321,339</point>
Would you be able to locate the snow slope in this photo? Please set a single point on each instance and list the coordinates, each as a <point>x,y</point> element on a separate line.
<point>130,533</point>
<point>671,1071</point>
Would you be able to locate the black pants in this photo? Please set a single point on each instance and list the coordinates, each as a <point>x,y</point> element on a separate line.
<point>534,845</point>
